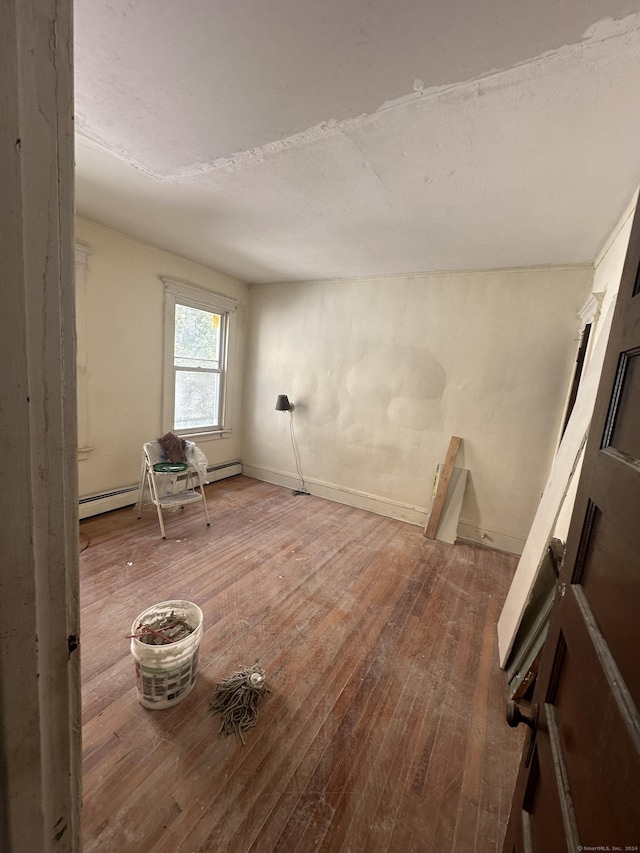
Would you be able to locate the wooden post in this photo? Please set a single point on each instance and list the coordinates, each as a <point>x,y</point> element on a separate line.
<point>40,744</point>
<point>441,489</point>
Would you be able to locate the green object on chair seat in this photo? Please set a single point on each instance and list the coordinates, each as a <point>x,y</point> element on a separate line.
<point>170,467</point>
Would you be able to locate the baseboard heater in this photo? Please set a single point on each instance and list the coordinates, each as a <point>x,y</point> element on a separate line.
<point>128,495</point>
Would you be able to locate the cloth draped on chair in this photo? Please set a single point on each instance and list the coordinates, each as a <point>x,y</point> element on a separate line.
<point>172,448</point>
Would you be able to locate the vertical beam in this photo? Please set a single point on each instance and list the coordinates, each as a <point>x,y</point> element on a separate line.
<point>39,670</point>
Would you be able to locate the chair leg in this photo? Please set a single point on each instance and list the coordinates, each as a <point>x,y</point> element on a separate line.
<point>161,520</point>
<point>141,487</point>
<point>153,490</point>
<point>204,500</point>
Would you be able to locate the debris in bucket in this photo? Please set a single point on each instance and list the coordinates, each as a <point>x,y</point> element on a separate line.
<point>236,700</point>
<point>162,630</point>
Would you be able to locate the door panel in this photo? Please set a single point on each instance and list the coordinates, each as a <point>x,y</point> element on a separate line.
<point>624,411</point>
<point>610,585</point>
<point>582,784</point>
<point>542,824</point>
<point>593,713</point>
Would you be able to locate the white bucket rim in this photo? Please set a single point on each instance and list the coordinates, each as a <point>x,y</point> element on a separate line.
<point>170,604</point>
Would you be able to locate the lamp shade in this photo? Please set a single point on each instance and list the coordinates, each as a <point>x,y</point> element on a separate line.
<point>283,404</point>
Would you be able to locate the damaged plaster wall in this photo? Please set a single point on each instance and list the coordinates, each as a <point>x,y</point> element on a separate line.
<point>383,370</point>
<point>124,324</point>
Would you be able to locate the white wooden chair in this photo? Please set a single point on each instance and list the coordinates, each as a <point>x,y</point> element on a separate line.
<point>162,481</point>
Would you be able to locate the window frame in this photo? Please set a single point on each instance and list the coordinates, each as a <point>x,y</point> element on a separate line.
<point>178,292</point>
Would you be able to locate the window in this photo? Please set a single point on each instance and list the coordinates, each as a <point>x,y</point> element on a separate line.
<point>198,328</point>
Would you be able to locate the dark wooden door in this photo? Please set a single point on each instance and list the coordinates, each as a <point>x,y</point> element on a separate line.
<point>578,786</point>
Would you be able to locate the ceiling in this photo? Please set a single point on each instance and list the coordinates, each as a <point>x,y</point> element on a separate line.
<point>284,140</point>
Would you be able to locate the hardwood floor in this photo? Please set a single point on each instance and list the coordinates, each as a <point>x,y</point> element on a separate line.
<point>384,726</point>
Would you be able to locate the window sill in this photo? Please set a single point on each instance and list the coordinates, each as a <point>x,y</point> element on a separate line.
<point>213,434</point>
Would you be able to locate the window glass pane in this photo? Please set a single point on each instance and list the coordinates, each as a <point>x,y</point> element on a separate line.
<point>197,400</point>
<point>197,338</point>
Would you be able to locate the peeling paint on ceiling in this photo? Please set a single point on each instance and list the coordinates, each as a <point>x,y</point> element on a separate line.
<point>280,141</point>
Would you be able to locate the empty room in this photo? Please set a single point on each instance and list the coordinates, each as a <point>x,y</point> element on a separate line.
<point>321,329</point>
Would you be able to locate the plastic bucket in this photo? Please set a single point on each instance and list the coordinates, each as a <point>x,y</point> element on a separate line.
<point>165,674</point>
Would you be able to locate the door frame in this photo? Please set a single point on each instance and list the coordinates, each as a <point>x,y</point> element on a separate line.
<point>40,728</point>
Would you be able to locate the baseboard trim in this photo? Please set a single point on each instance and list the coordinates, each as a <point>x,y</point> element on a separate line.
<point>495,539</point>
<point>341,494</point>
<point>96,504</point>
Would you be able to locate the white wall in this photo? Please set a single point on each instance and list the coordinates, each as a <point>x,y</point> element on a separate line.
<point>383,371</point>
<point>123,329</point>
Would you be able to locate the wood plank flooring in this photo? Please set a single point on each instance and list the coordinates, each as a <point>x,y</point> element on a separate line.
<point>384,726</point>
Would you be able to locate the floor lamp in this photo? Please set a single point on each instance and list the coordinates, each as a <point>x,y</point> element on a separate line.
<point>284,405</point>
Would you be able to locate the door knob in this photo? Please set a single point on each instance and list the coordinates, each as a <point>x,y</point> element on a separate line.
<point>516,715</point>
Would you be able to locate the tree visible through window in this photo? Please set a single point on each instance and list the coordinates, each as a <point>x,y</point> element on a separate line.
<point>199,371</point>
<point>199,347</point>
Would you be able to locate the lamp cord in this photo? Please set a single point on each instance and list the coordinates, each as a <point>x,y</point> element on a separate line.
<point>302,490</point>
